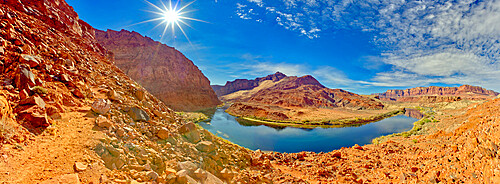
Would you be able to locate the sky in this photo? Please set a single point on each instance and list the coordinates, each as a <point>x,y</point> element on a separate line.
<point>362,46</point>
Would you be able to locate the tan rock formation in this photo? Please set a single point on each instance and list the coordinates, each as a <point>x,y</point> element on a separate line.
<point>291,91</point>
<point>463,91</point>
<point>277,96</point>
<point>162,70</point>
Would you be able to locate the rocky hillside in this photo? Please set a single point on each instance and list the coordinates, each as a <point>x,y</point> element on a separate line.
<point>291,91</point>
<point>68,115</point>
<point>462,91</point>
<point>162,70</point>
<point>462,148</point>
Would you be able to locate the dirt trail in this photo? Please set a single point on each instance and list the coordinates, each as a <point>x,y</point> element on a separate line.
<point>54,152</point>
<point>295,173</point>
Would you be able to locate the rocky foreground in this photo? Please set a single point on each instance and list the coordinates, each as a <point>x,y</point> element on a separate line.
<point>458,147</point>
<point>69,115</point>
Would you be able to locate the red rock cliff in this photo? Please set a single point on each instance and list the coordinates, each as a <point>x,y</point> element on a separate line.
<point>245,84</point>
<point>162,70</point>
<point>306,91</point>
<point>292,91</point>
<point>465,90</point>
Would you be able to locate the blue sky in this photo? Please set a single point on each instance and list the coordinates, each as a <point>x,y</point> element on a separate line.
<point>361,46</point>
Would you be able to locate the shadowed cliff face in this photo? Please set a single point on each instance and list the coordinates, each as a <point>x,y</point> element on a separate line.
<point>162,70</point>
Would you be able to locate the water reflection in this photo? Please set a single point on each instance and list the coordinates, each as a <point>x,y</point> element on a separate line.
<point>288,139</point>
<point>414,113</point>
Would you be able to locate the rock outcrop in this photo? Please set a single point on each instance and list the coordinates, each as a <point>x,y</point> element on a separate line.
<point>306,91</point>
<point>424,99</point>
<point>162,70</point>
<point>278,97</point>
<point>291,91</point>
<point>245,84</point>
<point>462,91</point>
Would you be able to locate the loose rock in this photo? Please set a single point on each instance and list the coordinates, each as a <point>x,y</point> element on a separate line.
<point>80,166</point>
<point>101,106</point>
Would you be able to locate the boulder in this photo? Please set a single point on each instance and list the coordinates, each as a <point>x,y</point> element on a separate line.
<point>65,78</point>
<point>113,95</point>
<point>25,78</point>
<point>103,122</point>
<point>34,100</point>
<point>182,176</point>
<point>188,127</point>
<point>30,60</point>
<point>151,176</point>
<point>101,106</point>
<point>137,114</point>
<point>140,95</point>
<point>23,94</point>
<point>200,174</point>
<point>190,132</point>
<point>53,112</point>
<point>188,166</point>
<point>205,146</point>
<point>163,133</point>
<point>35,116</point>
<point>80,166</point>
<point>78,93</point>
<point>227,174</point>
<point>210,178</point>
<point>120,132</point>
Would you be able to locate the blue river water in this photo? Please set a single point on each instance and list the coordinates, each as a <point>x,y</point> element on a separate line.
<point>289,139</point>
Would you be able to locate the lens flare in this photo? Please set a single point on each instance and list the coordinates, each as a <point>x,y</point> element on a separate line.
<point>171,15</point>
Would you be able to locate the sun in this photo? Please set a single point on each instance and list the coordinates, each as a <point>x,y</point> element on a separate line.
<point>172,15</point>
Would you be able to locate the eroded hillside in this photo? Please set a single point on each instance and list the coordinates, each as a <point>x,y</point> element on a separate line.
<point>162,70</point>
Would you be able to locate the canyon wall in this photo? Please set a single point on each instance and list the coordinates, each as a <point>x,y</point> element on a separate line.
<point>291,91</point>
<point>465,90</point>
<point>162,70</point>
<point>245,84</point>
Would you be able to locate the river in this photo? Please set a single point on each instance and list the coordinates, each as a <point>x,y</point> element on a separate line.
<point>289,139</point>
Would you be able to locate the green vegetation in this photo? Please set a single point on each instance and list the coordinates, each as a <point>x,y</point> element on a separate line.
<point>324,123</point>
<point>417,126</point>
<point>39,90</point>
<point>194,116</point>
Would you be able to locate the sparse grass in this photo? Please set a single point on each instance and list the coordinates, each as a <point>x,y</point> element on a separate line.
<point>39,90</point>
<point>323,123</point>
<point>193,116</point>
<point>417,126</point>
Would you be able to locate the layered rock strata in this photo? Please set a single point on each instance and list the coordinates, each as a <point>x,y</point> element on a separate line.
<point>162,70</point>
<point>463,91</point>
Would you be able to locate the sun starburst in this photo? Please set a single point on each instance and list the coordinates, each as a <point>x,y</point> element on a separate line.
<point>171,15</point>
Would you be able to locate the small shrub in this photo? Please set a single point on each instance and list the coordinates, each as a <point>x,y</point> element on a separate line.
<point>39,90</point>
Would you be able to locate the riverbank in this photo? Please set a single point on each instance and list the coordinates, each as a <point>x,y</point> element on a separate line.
<point>427,117</point>
<point>338,123</point>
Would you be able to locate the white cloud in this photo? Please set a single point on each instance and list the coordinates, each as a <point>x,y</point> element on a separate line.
<point>445,41</point>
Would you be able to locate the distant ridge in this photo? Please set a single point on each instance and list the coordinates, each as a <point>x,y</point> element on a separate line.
<point>462,91</point>
<point>244,84</point>
<point>291,91</point>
